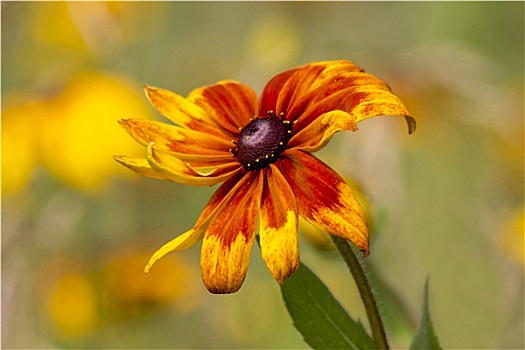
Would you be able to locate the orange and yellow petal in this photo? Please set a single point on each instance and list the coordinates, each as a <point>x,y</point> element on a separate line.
<point>221,198</point>
<point>314,89</point>
<point>286,92</point>
<point>323,197</point>
<point>316,135</point>
<point>185,240</point>
<point>230,104</point>
<point>291,99</point>
<point>272,91</point>
<point>278,226</point>
<point>181,111</point>
<point>175,138</point>
<point>174,169</point>
<point>229,238</point>
<point>163,165</point>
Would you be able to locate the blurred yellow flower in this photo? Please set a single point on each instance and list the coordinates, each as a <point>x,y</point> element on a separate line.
<point>72,306</point>
<point>79,299</point>
<point>89,106</point>
<point>512,239</point>
<point>90,29</point>
<point>52,23</point>
<point>19,145</point>
<point>170,284</point>
<point>59,132</point>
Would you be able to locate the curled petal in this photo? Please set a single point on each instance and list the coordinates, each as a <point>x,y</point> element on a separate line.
<point>221,198</point>
<point>141,167</point>
<point>278,226</point>
<point>181,111</point>
<point>160,166</point>
<point>309,91</point>
<point>228,240</point>
<point>202,159</point>
<point>230,104</point>
<point>175,138</point>
<point>323,197</point>
<point>173,169</point>
<point>316,135</point>
<point>185,240</point>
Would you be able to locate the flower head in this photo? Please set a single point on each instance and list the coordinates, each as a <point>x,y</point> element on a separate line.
<point>261,152</point>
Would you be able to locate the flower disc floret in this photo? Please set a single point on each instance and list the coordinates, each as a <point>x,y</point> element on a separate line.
<point>262,141</point>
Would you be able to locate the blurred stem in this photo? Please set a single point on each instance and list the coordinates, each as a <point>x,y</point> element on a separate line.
<point>378,331</point>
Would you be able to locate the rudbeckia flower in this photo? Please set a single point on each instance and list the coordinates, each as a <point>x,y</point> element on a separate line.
<point>261,152</point>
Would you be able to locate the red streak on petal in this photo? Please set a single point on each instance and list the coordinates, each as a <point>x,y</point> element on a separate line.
<point>239,215</point>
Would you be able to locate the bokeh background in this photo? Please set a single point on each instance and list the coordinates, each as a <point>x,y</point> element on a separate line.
<point>77,228</point>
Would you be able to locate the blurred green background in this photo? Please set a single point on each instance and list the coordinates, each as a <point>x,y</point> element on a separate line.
<point>77,229</point>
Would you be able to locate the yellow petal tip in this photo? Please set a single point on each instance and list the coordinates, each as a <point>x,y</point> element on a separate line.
<point>122,122</point>
<point>148,267</point>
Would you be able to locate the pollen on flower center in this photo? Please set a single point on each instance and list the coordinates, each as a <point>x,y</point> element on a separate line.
<point>262,141</point>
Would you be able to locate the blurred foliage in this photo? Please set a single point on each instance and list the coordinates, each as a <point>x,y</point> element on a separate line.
<point>447,201</point>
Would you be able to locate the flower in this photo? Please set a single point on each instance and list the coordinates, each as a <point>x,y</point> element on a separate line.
<point>261,151</point>
<point>87,106</point>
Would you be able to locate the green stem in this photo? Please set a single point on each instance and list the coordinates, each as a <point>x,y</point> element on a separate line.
<point>378,332</point>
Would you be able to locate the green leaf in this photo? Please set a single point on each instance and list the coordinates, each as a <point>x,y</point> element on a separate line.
<point>319,317</point>
<point>425,337</point>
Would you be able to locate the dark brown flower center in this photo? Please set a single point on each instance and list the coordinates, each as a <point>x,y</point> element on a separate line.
<point>262,141</point>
